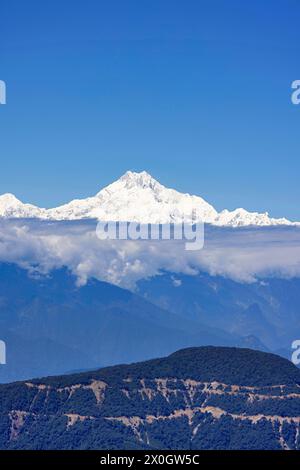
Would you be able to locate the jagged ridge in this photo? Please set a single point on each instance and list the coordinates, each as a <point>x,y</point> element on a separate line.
<point>139,197</point>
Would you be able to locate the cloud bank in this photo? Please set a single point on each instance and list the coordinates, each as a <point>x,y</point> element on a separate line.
<point>242,254</point>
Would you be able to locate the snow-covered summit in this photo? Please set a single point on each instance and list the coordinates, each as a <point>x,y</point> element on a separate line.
<point>132,179</point>
<point>137,197</point>
<point>10,206</point>
<point>141,198</point>
<point>241,217</point>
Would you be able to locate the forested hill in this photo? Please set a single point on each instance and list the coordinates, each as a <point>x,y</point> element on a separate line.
<point>199,398</point>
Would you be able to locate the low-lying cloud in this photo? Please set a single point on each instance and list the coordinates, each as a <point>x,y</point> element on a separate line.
<point>242,254</point>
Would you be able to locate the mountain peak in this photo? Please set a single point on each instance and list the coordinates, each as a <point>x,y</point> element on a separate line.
<point>142,179</point>
<point>9,198</point>
<point>11,207</point>
<point>135,175</point>
<point>138,197</point>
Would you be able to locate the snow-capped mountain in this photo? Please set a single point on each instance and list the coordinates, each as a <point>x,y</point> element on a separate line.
<point>11,207</point>
<point>138,197</point>
<point>241,217</point>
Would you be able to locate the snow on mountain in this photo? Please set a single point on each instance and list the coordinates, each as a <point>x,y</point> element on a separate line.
<point>139,197</point>
<point>241,217</point>
<point>11,207</point>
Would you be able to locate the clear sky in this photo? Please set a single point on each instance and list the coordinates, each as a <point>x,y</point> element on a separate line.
<point>196,92</point>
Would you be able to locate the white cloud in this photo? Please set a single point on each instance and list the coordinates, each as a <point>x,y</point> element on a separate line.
<point>241,254</point>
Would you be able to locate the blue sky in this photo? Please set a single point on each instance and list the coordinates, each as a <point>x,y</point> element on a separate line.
<point>195,92</point>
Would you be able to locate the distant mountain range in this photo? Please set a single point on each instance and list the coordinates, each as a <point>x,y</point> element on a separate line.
<point>139,197</point>
<point>51,326</point>
<point>267,309</point>
<point>198,398</point>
